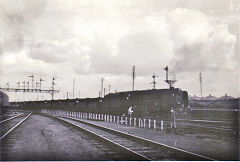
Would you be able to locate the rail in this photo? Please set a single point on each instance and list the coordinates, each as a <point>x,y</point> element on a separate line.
<point>155,146</point>
<point>11,130</point>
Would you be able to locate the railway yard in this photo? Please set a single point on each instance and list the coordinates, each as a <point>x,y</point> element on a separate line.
<point>70,135</point>
<point>119,81</point>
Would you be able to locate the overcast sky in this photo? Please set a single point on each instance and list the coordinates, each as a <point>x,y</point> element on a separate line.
<point>86,40</point>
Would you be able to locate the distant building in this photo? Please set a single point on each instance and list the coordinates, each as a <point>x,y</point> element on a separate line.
<point>225,97</point>
<point>194,97</point>
<point>210,97</point>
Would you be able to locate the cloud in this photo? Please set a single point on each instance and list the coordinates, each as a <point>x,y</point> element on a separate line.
<point>92,38</point>
<point>16,22</point>
<point>200,43</point>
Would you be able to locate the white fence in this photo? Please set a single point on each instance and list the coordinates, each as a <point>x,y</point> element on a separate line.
<point>135,122</point>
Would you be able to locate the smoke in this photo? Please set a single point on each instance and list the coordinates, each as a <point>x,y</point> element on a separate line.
<point>201,44</point>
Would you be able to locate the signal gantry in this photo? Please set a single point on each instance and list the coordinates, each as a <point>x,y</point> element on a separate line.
<point>37,89</point>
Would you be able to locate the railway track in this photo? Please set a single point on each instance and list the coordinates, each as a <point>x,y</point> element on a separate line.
<point>132,146</point>
<point>227,132</point>
<point>9,118</point>
<point>10,124</point>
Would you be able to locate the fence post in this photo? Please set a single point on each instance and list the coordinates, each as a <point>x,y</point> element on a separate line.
<point>126,120</point>
<point>134,122</point>
<point>114,119</point>
<point>149,123</point>
<point>161,124</point>
<point>117,119</point>
<point>130,121</point>
<point>144,123</point>
<point>121,119</point>
<point>154,124</point>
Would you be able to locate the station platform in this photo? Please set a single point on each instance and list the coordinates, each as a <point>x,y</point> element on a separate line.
<point>218,149</point>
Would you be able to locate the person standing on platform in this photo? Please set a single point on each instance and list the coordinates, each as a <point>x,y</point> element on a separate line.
<point>130,111</point>
<point>173,119</point>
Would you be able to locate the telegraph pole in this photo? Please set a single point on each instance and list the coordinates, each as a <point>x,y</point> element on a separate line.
<point>200,79</point>
<point>102,87</point>
<point>73,87</point>
<point>133,77</point>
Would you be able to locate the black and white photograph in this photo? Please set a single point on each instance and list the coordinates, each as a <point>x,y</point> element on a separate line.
<point>119,80</point>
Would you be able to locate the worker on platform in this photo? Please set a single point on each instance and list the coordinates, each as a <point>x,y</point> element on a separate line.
<point>130,111</point>
<point>173,118</point>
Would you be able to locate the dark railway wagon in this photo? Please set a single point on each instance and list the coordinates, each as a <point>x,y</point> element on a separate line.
<point>145,102</point>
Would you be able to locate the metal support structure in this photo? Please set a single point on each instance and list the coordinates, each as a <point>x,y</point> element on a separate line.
<point>28,90</point>
<point>28,85</point>
<point>133,77</point>
<point>52,88</point>
<point>200,80</point>
<point>40,83</point>
<point>154,81</point>
<point>18,83</point>
<point>171,81</point>
<point>25,88</point>
<point>24,84</point>
<point>73,87</point>
<point>101,88</point>
<point>32,76</point>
